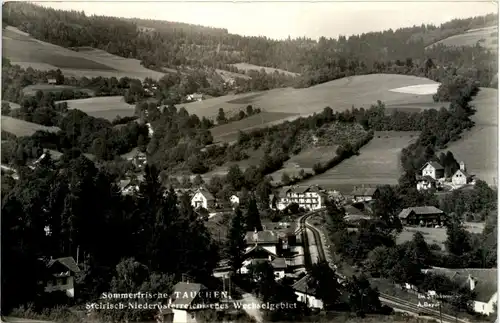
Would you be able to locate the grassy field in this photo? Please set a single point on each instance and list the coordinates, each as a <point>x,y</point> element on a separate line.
<point>31,90</point>
<point>227,76</point>
<point>108,107</point>
<point>487,37</point>
<point>229,132</point>
<point>22,128</point>
<point>377,164</point>
<point>23,50</point>
<point>435,235</point>
<point>13,106</point>
<point>478,148</point>
<point>342,94</point>
<point>268,70</point>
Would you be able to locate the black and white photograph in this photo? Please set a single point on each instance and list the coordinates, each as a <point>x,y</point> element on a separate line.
<point>249,161</point>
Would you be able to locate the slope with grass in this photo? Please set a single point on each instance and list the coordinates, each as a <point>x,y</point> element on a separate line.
<point>377,164</point>
<point>486,37</point>
<point>341,94</point>
<point>22,49</point>
<point>478,148</point>
<point>268,70</point>
<point>21,128</point>
<point>108,107</point>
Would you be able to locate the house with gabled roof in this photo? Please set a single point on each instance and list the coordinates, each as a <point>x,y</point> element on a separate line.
<point>426,183</point>
<point>364,194</point>
<point>482,281</point>
<point>267,239</point>
<point>461,176</point>
<point>188,300</point>
<point>432,169</point>
<point>60,275</point>
<point>422,215</point>
<point>257,255</point>
<point>203,199</point>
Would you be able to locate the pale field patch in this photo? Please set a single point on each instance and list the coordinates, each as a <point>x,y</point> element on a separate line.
<point>486,37</point>
<point>107,107</point>
<point>422,89</point>
<point>268,70</point>
<point>21,128</point>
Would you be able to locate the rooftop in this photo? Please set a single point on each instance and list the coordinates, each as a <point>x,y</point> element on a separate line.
<point>261,237</point>
<point>185,291</point>
<point>361,191</point>
<point>434,164</point>
<point>419,210</point>
<point>67,262</point>
<point>302,286</point>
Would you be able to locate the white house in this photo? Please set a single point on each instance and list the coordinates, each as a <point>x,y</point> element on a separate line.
<point>482,281</point>
<point>433,169</point>
<point>61,273</point>
<point>461,177</point>
<point>194,97</point>
<point>203,198</point>
<point>307,197</point>
<point>257,255</point>
<point>306,294</point>
<point>150,129</point>
<point>234,199</point>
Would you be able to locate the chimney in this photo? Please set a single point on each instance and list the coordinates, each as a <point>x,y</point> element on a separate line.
<point>462,166</point>
<point>472,283</point>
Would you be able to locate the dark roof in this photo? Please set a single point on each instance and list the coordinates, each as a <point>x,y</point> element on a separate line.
<point>263,237</point>
<point>302,286</point>
<point>257,248</point>
<point>185,290</point>
<point>426,177</point>
<point>364,191</point>
<point>485,279</point>
<point>351,210</point>
<point>124,183</point>
<point>279,263</point>
<point>420,210</point>
<point>434,164</point>
<point>206,194</point>
<point>67,262</point>
<point>284,190</point>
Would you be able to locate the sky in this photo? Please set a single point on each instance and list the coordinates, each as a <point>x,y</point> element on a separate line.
<point>280,19</point>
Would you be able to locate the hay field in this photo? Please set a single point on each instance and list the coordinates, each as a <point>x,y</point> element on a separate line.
<point>268,70</point>
<point>487,37</point>
<point>31,90</point>
<point>229,132</point>
<point>22,128</point>
<point>377,164</point>
<point>106,107</point>
<point>478,148</point>
<point>435,235</point>
<point>228,76</point>
<point>341,94</point>
<point>21,49</point>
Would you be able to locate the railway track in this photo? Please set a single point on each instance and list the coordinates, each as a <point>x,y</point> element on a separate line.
<point>385,299</point>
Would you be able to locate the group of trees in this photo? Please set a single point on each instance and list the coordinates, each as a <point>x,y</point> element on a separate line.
<point>63,196</point>
<point>242,114</point>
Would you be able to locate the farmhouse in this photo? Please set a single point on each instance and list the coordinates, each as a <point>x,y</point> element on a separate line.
<point>306,294</point>
<point>482,281</point>
<point>257,255</point>
<point>203,198</point>
<point>357,212</point>
<point>60,275</point>
<point>307,197</point>
<point>52,81</point>
<point>426,183</point>
<point>422,215</point>
<point>461,177</point>
<point>433,169</point>
<point>362,194</point>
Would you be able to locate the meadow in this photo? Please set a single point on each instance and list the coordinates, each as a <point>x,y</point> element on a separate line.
<point>435,235</point>
<point>377,164</point>
<point>340,95</point>
<point>31,90</point>
<point>107,107</point>
<point>478,148</point>
<point>22,49</point>
<point>268,70</point>
<point>13,106</point>
<point>22,128</point>
<point>487,37</point>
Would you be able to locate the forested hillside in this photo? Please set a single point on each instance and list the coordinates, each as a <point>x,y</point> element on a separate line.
<point>165,44</point>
